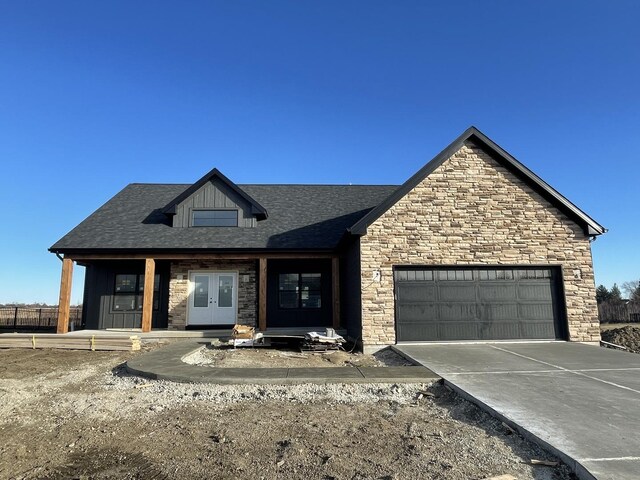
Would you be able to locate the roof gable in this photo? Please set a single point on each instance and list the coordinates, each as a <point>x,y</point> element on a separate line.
<point>590,226</point>
<point>256,209</point>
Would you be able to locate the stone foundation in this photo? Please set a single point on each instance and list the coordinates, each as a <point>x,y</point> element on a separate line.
<point>179,289</point>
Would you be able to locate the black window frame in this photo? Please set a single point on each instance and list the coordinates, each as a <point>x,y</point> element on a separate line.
<point>137,293</point>
<point>198,210</point>
<point>299,291</point>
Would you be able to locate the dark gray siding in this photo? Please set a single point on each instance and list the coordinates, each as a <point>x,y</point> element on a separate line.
<point>350,303</point>
<point>99,285</point>
<point>214,194</point>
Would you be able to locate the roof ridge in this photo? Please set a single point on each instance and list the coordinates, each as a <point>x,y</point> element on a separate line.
<point>284,184</point>
<point>319,184</point>
<point>157,183</point>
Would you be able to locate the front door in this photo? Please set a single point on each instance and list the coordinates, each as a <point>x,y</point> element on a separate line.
<point>212,298</point>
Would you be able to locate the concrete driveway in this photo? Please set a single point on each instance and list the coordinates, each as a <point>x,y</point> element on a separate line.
<point>582,401</point>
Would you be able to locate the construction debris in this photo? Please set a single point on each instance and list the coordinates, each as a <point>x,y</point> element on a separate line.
<point>314,341</point>
<point>142,385</point>
<point>245,336</point>
<point>510,431</point>
<point>425,393</point>
<point>70,342</point>
<point>546,463</point>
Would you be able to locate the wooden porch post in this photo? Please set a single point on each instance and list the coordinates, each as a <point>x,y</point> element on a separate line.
<point>65,296</point>
<point>335,284</point>
<point>147,299</point>
<point>262,294</point>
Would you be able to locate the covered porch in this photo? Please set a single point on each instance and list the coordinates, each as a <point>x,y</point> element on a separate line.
<point>159,291</point>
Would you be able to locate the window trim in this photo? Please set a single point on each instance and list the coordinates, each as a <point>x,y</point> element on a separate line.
<point>193,211</point>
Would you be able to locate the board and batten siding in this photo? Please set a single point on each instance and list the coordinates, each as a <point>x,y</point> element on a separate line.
<point>99,286</point>
<point>214,194</point>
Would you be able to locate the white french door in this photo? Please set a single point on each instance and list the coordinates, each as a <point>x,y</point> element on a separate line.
<point>213,298</point>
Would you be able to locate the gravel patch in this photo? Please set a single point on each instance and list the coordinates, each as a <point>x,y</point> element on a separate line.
<point>171,393</point>
<point>79,415</point>
<point>227,357</point>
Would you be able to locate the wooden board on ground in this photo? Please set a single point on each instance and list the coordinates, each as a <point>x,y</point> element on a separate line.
<point>76,342</point>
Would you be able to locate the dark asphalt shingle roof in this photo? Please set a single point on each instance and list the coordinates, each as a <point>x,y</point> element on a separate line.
<point>300,217</point>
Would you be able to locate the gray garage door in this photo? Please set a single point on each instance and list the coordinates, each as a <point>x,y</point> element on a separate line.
<point>478,304</point>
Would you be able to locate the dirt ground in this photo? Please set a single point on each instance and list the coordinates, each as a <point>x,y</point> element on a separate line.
<point>283,358</point>
<point>627,336</point>
<point>75,414</point>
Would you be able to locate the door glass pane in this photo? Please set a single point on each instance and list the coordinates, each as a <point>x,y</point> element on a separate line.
<point>310,284</point>
<point>201,291</point>
<point>156,283</point>
<point>126,303</point>
<point>311,281</point>
<point>125,283</point>
<point>311,299</point>
<point>289,281</point>
<point>225,291</point>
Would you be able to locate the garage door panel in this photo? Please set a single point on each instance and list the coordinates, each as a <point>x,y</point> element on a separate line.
<point>417,330</point>
<point>455,330</point>
<point>417,312</point>
<point>497,291</point>
<point>498,330</point>
<point>458,292</point>
<point>477,303</point>
<point>418,292</point>
<point>535,311</point>
<point>498,311</point>
<point>531,291</point>
<point>537,330</point>
<point>457,311</point>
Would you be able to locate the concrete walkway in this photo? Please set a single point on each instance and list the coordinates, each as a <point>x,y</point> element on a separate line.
<point>166,364</point>
<point>582,402</point>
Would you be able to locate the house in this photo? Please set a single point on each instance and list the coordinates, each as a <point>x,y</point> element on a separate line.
<point>474,246</point>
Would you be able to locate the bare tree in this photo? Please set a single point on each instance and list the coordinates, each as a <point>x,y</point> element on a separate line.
<point>630,288</point>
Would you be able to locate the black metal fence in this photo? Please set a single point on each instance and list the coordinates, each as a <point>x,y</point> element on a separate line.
<point>22,319</point>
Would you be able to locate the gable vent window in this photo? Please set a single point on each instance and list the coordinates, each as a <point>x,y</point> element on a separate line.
<point>215,218</point>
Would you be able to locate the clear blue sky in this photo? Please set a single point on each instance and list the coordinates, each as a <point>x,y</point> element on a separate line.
<point>95,95</point>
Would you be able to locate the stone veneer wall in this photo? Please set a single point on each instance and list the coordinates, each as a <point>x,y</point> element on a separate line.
<point>472,210</point>
<point>179,289</point>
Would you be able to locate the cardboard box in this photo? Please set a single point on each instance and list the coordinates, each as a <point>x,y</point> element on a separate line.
<point>242,342</point>
<point>243,332</point>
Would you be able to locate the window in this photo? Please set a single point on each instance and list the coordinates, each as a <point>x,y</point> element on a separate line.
<point>300,290</point>
<point>128,293</point>
<point>215,218</point>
